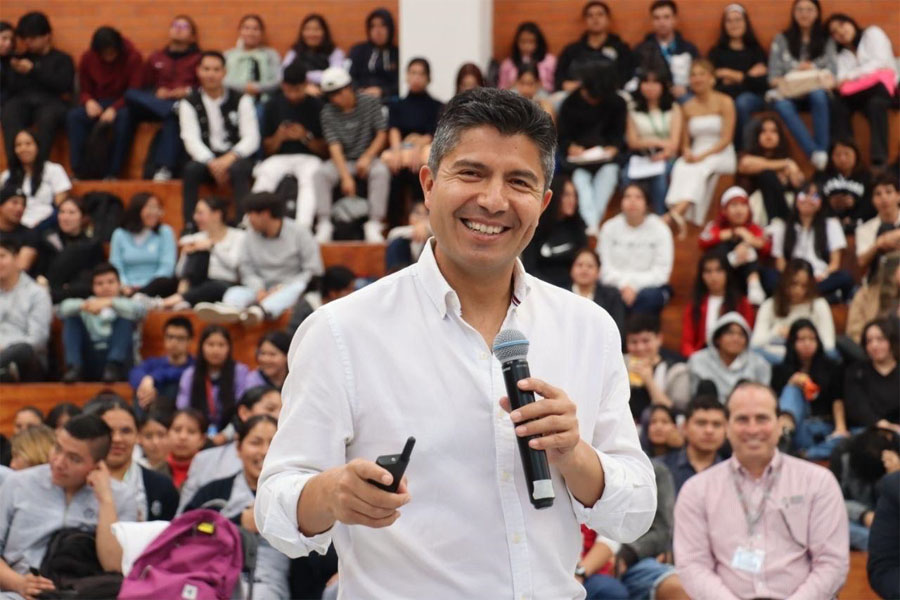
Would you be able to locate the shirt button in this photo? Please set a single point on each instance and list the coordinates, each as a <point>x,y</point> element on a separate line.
<point>517,539</point>
<point>505,476</point>
<point>484,356</point>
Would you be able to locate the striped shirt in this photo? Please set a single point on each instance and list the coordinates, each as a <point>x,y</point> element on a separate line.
<point>356,129</point>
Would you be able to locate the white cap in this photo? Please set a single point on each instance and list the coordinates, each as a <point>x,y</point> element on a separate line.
<point>335,78</point>
<point>733,192</point>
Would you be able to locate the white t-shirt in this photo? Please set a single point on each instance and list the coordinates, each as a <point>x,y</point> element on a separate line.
<point>39,204</point>
<point>805,247</point>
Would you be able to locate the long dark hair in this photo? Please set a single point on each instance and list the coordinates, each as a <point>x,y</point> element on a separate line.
<point>327,45</point>
<point>17,169</point>
<point>848,142</point>
<point>818,36</point>
<point>469,69</point>
<point>845,18</point>
<point>781,297</point>
<point>539,53</point>
<point>791,361</point>
<point>226,377</point>
<point>889,329</point>
<point>820,234</point>
<point>553,214</point>
<point>732,291</point>
<point>782,150</point>
<point>749,39</point>
<point>131,219</point>
<point>648,73</point>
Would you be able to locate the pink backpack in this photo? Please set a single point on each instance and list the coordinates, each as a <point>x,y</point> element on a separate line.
<point>198,557</point>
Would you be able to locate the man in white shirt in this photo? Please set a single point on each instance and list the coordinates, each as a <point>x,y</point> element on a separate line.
<point>467,527</point>
<point>880,235</point>
<point>220,132</point>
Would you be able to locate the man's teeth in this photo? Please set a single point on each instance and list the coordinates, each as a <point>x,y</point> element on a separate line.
<point>481,228</point>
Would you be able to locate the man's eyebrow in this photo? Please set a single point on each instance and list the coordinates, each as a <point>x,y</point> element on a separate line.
<point>528,174</point>
<point>473,164</point>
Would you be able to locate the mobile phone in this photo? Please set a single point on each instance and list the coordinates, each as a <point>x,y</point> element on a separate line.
<point>396,465</point>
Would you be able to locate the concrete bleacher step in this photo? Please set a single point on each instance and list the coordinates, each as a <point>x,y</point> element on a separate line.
<point>47,395</point>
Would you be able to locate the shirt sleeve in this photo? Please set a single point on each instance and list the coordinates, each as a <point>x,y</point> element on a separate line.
<point>274,60</point>
<point>865,238</point>
<point>183,400</point>
<point>190,134</point>
<point>824,322</point>
<point>835,234</point>
<point>315,425</point>
<point>7,510</point>
<point>167,253</point>
<point>58,180</point>
<point>40,315</point>
<point>249,128</point>
<point>765,323</point>
<point>311,257</point>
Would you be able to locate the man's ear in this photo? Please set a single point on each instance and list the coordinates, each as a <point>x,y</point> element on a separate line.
<point>426,180</point>
<point>545,201</point>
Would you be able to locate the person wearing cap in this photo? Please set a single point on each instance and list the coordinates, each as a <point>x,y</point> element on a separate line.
<point>25,315</point>
<point>37,87</point>
<point>12,208</point>
<point>743,242</point>
<point>355,128</point>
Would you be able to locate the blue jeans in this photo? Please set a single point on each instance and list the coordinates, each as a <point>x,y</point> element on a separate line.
<point>859,537</point>
<point>819,105</point>
<point>79,126</point>
<point>658,186</point>
<point>81,352</point>
<point>810,433</point>
<point>745,105</point>
<point>241,297</point>
<point>594,191</point>
<point>837,287</point>
<point>644,576</point>
<point>605,587</point>
<point>145,106</point>
<point>651,300</point>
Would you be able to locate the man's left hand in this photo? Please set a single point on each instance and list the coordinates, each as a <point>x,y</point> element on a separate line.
<point>99,480</point>
<point>553,418</point>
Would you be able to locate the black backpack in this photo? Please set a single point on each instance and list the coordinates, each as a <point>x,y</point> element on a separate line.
<point>106,211</point>
<point>72,565</point>
<point>96,151</point>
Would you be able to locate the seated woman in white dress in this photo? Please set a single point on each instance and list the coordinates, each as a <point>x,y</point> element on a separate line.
<point>707,149</point>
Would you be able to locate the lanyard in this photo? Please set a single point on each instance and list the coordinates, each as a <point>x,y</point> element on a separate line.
<point>754,518</point>
<point>660,132</point>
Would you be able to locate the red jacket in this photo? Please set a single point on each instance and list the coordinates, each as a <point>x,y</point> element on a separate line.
<point>712,235</point>
<point>165,69</point>
<point>109,81</point>
<point>693,336</point>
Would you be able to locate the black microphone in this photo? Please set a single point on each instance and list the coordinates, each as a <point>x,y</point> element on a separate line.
<point>511,348</point>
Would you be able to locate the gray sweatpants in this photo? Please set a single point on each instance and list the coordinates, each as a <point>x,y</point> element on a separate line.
<point>327,176</point>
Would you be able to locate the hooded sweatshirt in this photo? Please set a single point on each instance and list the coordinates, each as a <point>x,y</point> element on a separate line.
<point>374,66</point>
<point>168,69</point>
<point>100,80</point>
<point>707,364</point>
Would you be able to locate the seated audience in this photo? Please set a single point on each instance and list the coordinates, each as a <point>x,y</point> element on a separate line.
<point>810,234</point>
<point>866,81</point>
<point>25,324</point>
<point>73,490</point>
<point>405,242</point>
<point>252,68</point>
<point>704,435</point>
<point>653,133</point>
<point>278,259</point>
<point>660,433</point>
<point>715,293</point>
<point>12,207</point>
<point>184,439</point>
<point>169,76</point>
<point>109,68</point>
<point>529,47</point>
<point>37,85</point>
<point>315,51</point>
<point>728,360</point>
<point>223,461</point>
<point>804,47</point>
<point>597,44</point>
<point>795,298</point>
<point>31,447</point>
<point>883,564</point>
<point>220,132</point>
<point>769,172</point>
<point>468,77</point>
<point>99,332</point>
<point>292,142</point>
<point>236,496</point>
<point>706,152</point>
<point>740,64</point>
<point>878,299</point>
<point>375,63</point>
<point>872,385</point>
<point>880,235</point>
<point>412,121</point>
<point>43,183</point>
<point>356,131</point>
<point>528,84</point>
<point>558,239</point>
<point>154,493</point>
<point>585,276</point>
<point>271,356</point>
<point>592,119</point>
<point>153,438</point>
<point>665,45</point>
<point>336,282</point>
<point>744,243</point>
<point>717,551</point>
<point>68,253</point>
<point>60,414</point>
<point>143,249</point>
<point>155,380</point>
<point>636,250</point>
<point>845,185</point>
<point>810,393</point>
<point>27,416</point>
<point>657,375</point>
<point>7,49</point>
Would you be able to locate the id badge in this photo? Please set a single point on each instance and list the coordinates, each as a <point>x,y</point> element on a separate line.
<point>749,560</point>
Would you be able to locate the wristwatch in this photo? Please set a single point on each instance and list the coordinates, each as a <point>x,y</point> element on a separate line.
<point>580,571</point>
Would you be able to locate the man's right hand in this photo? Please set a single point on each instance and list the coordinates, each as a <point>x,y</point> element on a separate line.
<point>348,186</point>
<point>32,586</point>
<point>352,500</point>
<point>93,108</point>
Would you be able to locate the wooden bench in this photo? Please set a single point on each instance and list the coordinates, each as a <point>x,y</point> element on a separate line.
<point>47,395</point>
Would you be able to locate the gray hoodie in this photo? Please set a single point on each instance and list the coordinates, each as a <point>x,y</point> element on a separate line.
<point>707,364</point>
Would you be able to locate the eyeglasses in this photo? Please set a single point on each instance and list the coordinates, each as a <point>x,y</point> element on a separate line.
<point>181,25</point>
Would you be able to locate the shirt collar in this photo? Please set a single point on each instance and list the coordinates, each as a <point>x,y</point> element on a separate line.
<point>774,464</point>
<point>444,297</point>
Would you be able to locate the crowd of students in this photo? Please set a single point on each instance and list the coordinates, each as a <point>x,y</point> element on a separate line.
<point>656,124</point>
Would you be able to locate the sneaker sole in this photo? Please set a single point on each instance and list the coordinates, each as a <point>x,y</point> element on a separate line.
<point>211,314</point>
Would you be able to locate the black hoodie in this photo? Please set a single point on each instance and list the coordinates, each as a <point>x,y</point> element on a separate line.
<point>373,66</point>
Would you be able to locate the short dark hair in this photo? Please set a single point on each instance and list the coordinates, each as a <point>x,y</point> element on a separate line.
<point>242,428</point>
<point>294,73</point>
<point>664,4</point>
<point>336,278</point>
<point>105,38</point>
<point>10,191</point>
<point>704,402</point>
<point>254,394</point>
<point>594,3</point>
<point>418,60</point>
<point>265,201</point>
<point>191,413</point>
<point>102,406</point>
<point>279,339</point>
<point>507,111</point>
<point>91,429</point>
<point>6,26</point>
<point>59,411</point>
<point>103,269</point>
<point>11,245</point>
<point>641,322</point>
<point>214,54</point>
<point>179,321</point>
<point>33,24</point>
<point>163,417</point>
<point>885,178</point>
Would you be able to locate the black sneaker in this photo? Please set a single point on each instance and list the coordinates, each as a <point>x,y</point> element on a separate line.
<point>113,373</point>
<point>72,375</point>
<point>10,373</point>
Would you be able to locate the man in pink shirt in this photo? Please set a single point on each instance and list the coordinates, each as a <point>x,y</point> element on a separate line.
<point>761,524</point>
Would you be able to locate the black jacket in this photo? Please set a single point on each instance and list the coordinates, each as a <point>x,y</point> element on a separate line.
<point>53,74</point>
<point>578,54</point>
<point>371,66</point>
<point>883,565</point>
<point>162,497</point>
<point>552,250</point>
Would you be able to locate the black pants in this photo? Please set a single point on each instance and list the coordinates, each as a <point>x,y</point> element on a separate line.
<point>773,191</point>
<point>874,102</point>
<point>45,111</point>
<point>26,360</point>
<point>211,290</point>
<point>196,173</point>
<point>160,287</point>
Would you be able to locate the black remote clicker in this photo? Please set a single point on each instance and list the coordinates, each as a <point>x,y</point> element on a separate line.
<point>396,465</point>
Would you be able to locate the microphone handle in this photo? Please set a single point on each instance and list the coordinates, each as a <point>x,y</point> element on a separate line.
<point>534,462</point>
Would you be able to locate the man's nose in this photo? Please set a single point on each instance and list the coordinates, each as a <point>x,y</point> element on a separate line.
<point>493,198</point>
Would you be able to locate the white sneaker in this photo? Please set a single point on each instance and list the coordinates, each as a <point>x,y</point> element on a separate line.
<point>162,174</point>
<point>149,303</point>
<point>216,312</point>
<point>324,231</point>
<point>253,316</point>
<point>819,159</point>
<point>755,293</point>
<point>373,232</point>
<point>183,305</point>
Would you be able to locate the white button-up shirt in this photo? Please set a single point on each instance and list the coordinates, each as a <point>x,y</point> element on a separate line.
<point>396,359</point>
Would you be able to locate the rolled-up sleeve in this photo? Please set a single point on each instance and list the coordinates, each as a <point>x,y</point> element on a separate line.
<point>314,428</point>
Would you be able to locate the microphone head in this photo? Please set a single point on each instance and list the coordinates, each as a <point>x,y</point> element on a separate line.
<point>510,344</point>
